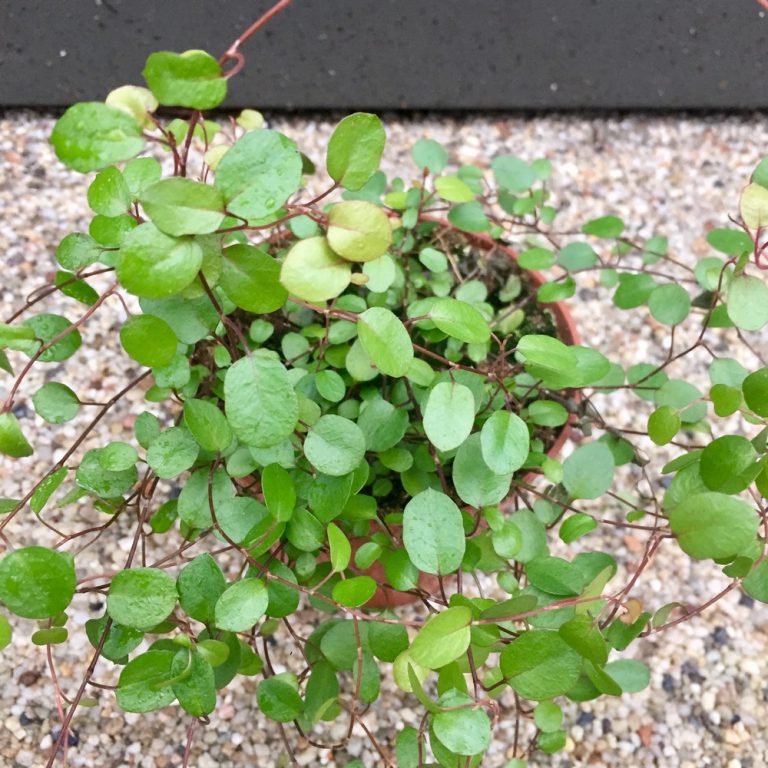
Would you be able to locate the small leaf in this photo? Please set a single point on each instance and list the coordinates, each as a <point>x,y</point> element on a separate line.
<point>341,550</point>
<point>512,173</point>
<point>354,591</point>
<point>429,155</point>
<point>191,79</point>
<point>47,327</point>
<point>663,424</point>
<point>109,194</point>
<point>461,727</point>
<point>605,226</point>
<point>149,340</point>
<point>358,230</point>
<point>449,415</point>
<point>251,279</point>
<point>355,149</point>
<point>588,471</point>
<point>36,583</point>
<point>433,533</point>
<point>504,442</point>
<point>207,424</point>
<point>241,605</point>
<point>195,685</point>
<point>313,271</point>
<point>134,100</point>
<point>469,217</point>
<point>143,684</point>
<point>278,698</point>
<point>475,482</point>
<point>334,445</point>
<point>754,206</point>
<point>56,403</point>
<point>200,584</point>
<point>444,638</point>
<point>755,388</point>
<point>460,320</point>
<point>669,304</point>
<point>46,489</point>
<point>179,206</point>
<point>172,452</point>
<point>385,340</point>
<point>12,440</point>
<point>748,301</point>
<point>279,492</point>
<point>141,597</point>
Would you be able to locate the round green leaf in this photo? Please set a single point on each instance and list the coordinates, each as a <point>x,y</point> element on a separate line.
<point>354,150</point>
<point>92,135</point>
<point>180,206</point>
<point>278,698</point>
<point>748,301</point>
<point>312,271</point>
<point>56,403</point>
<point>149,340</point>
<point>382,424</point>
<point>605,226</point>
<point>713,525</point>
<point>755,388</point>
<point>453,189</point>
<point>754,206</point>
<point>37,583</point>
<point>251,279</point>
<point>449,415</point>
<point>154,265</point>
<point>443,639</point>
<point>358,230</point>
<point>540,665</point>
<point>469,217</point>
<point>260,403</point>
<point>729,464</point>
<point>144,682</point>
<point>545,356</point>
<point>330,385</point>
<point>340,548</point>
<point>430,155</point>
<point>200,584</point>
<point>135,101</point>
<point>632,676</point>
<point>433,533</point>
<point>191,79</point>
<point>669,303</point>
<point>259,173</point>
<point>588,471</point>
<point>141,597</point>
<point>385,340</point>
<point>555,576</point>
<point>207,424</point>
<point>194,683</point>
<point>117,456</point>
<point>355,591</point>
<point>172,452</point>
<point>334,445</point>
<point>241,605</point>
<point>47,327</point>
<point>475,482</point>
<point>109,194</point>
<point>106,483</point>
<point>279,491</point>
<point>504,442</point>
<point>663,424</point>
<point>733,242</point>
<point>513,173</point>
<point>461,727</point>
<point>575,256</point>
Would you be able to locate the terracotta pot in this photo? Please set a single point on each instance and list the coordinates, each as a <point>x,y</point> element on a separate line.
<point>386,597</point>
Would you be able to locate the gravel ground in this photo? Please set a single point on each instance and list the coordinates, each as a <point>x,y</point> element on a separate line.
<point>707,700</point>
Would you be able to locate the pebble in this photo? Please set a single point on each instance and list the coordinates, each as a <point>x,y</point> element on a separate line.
<point>673,175</point>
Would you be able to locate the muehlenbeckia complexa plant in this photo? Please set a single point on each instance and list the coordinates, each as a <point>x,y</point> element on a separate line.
<point>352,395</point>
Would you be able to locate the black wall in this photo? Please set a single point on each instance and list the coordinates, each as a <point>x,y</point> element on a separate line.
<point>444,54</point>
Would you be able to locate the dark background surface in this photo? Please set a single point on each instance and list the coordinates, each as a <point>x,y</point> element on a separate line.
<point>409,54</point>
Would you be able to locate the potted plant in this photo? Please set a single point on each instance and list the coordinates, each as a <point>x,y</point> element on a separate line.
<point>355,394</point>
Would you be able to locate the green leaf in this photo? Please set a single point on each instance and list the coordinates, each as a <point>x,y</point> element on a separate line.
<point>444,638</point>
<point>605,226</point>
<point>461,727</point>
<point>259,173</point>
<point>76,289</point>
<point>555,576</point>
<point>149,340</point>
<point>429,155</point>
<point>663,424</point>
<point>512,173</point>
<point>453,189</point>
<point>279,698</point>
<point>340,548</point>
<point>354,591</point>
<point>140,174</point>
<point>382,424</point>
<point>387,641</point>
<point>251,279</point>
<point>153,265</point>
<point>748,301</point>
<point>576,256</point>
<point>180,206</point>
<point>207,424</point>
<point>47,327</point>
<point>191,79</point>
<point>241,605</point>
<point>260,403</point>
<point>754,206</point>
<point>117,456</point>
<point>358,230</point>
<point>102,482</point>
<point>56,403</point>
<point>433,533</point>
<point>312,271</point>
<point>37,583</point>
<point>200,584</point>
<point>756,582</point>
<point>135,101</point>
<point>109,194</point>
<point>459,320</point>
<point>330,385</point>
<point>76,251</point>
<point>732,242</point>
<point>194,685</point>
<point>755,388</point>
<point>540,665</point>
<point>713,525</point>
<point>576,526</point>
<point>172,452</point>
<point>475,482</point>
<point>355,149</point>
<point>119,642</point>
<point>504,442</point>
<point>469,217</point>
<point>669,304</point>
<point>544,355</point>
<point>12,440</point>
<point>6,632</point>
<point>449,415</point>
<point>46,489</point>
<point>385,340</point>
<point>729,464</point>
<point>588,471</point>
<point>92,135</point>
<point>632,676</point>
<point>334,445</point>
<point>141,597</point>
<point>279,492</point>
<point>143,684</point>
